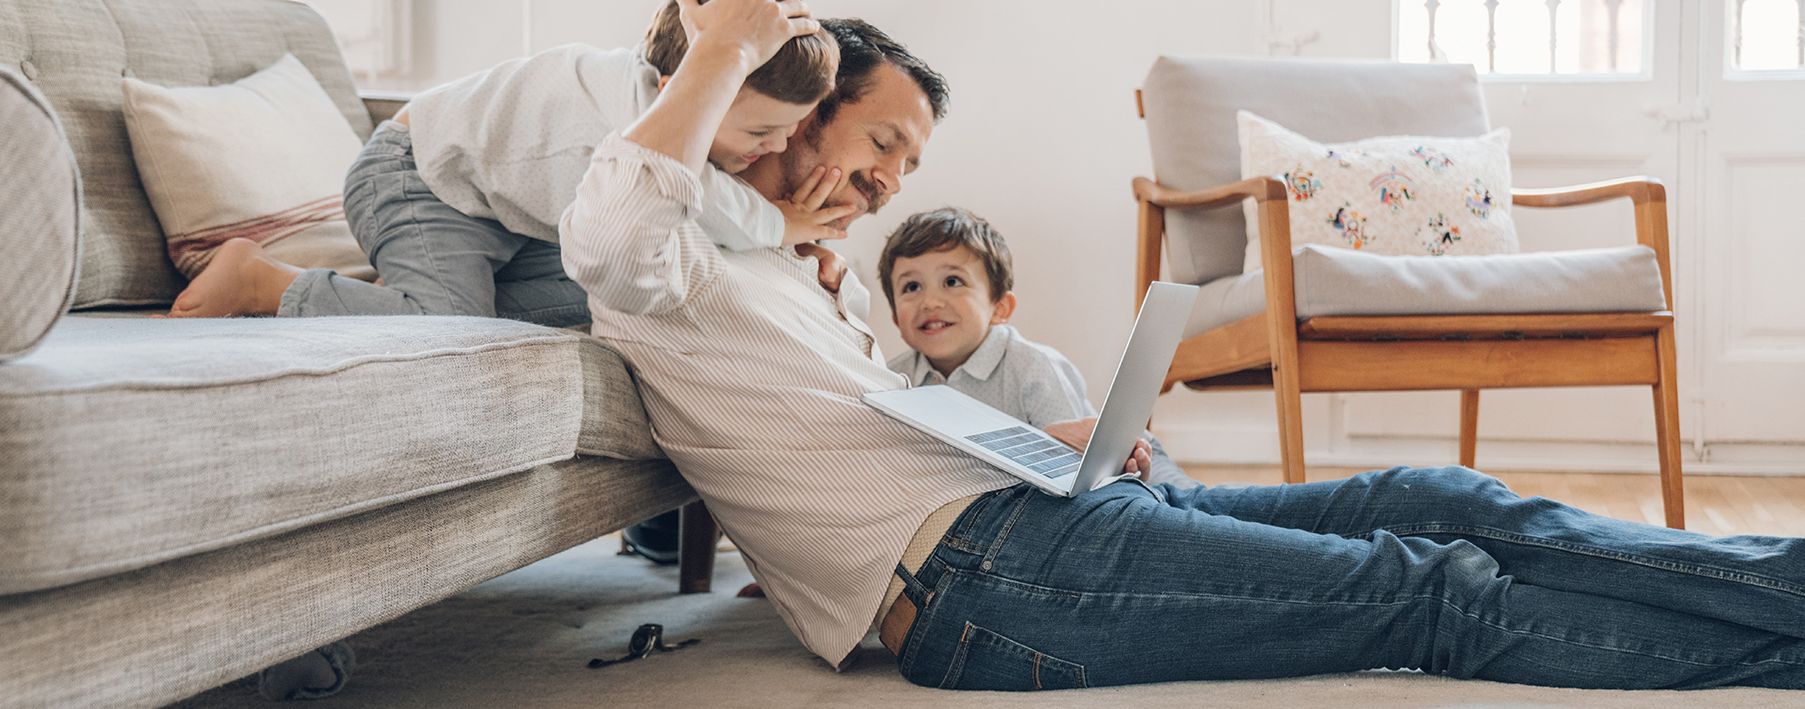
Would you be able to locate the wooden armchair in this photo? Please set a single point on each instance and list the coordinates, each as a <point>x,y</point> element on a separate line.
<point>1466,352</point>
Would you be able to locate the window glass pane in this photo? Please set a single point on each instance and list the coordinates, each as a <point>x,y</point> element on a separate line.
<point>1769,38</point>
<point>1413,31</point>
<point>1460,32</point>
<point>1578,37</point>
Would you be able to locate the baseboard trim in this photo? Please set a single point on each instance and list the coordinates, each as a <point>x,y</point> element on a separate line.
<point>1205,445</point>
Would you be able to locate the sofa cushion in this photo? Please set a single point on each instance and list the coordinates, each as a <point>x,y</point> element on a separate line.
<point>614,417</point>
<point>131,441</point>
<point>1334,281</point>
<point>77,52</point>
<point>1190,103</point>
<point>39,222</point>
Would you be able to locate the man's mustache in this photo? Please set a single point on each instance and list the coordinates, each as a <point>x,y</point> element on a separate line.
<point>874,199</point>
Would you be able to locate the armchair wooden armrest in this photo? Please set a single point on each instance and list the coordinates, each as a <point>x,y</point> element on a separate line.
<point>1263,189</point>
<point>1155,199</point>
<point>1639,190</point>
<point>1646,194</point>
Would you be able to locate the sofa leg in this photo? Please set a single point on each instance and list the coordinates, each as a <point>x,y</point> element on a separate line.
<point>700,535</point>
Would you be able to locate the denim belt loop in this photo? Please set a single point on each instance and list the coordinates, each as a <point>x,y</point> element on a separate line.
<point>912,587</point>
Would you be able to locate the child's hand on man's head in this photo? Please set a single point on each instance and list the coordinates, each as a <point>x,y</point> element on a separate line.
<point>756,28</point>
<point>806,219</point>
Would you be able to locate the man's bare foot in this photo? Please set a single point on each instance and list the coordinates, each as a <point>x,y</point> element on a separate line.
<point>240,280</point>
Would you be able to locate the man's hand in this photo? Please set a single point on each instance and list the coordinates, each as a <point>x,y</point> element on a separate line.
<point>805,220</point>
<point>1077,434</point>
<point>833,268</point>
<point>754,28</point>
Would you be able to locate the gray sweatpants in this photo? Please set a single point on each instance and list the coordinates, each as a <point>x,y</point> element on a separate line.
<point>433,259</point>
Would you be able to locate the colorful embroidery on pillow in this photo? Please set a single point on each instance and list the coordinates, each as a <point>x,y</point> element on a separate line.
<point>1433,159</point>
<point>1302,183</point>
<point>1393,188</point>
<point>1438,235</point>
<point>1479,199</point>
<point>1351,225</point>
<point>1388,195</point>
<point>1345,158</point>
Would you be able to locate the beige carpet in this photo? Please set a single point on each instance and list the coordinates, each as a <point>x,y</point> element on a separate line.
<point>524,639</point>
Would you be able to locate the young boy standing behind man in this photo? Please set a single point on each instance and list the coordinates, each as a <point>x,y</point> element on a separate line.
<point>948,276</point>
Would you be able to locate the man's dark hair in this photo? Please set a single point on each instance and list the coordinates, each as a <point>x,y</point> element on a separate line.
<point>863,49</point>
<point>944,229</point>
<point>801,72</point>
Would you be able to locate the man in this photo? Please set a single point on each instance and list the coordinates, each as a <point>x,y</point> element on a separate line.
<point>751,373</point>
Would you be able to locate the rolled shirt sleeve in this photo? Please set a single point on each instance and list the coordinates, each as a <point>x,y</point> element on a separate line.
<point>630,238</point>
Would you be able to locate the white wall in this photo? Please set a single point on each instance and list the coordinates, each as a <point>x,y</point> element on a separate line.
<point>1042,140</point>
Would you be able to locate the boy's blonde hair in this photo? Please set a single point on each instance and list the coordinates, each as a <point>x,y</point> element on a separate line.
<point>945,229</point>
<point>802,71</point>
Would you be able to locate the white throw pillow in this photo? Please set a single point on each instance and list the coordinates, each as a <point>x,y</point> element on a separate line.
<point>263,158</point>
<point>1394,195</point>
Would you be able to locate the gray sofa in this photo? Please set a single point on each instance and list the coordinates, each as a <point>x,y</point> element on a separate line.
<point>185,502</point>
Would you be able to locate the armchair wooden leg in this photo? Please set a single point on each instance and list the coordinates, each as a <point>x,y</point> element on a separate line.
<point>1469,426</point>
<point>697,543</point>
<point>1667,430</point>
<point>1286,390</point>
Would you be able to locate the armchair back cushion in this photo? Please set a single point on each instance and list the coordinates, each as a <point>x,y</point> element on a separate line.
<point>1190,106</point>
<point>77,52</point>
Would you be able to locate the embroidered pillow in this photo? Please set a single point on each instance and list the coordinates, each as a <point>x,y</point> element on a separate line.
<point>1395,195</point>
<point>263,158</point>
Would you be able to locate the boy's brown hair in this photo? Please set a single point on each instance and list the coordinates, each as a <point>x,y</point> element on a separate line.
<point>802,71</point>
<point>945,229</point>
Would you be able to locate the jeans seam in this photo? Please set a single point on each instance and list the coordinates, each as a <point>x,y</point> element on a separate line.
<point>1595,646</point>
<point>529,315</point>
<point>413,220</point>
<point>1394,601</point>
<point>996,546</point>
<point>924,616</point>
<point>1674,566</point>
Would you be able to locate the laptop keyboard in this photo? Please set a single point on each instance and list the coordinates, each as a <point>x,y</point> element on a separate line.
<point>1031,449</point>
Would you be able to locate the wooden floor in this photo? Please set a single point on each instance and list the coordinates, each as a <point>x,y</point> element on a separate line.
<point>1715,504</point>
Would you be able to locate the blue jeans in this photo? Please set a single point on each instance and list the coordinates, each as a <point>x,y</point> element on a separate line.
<point>433,259</point>
<point>1443,570</point>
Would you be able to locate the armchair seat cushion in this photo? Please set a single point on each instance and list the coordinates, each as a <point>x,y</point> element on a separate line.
<point>1332,281</point>
<point>133,441</point>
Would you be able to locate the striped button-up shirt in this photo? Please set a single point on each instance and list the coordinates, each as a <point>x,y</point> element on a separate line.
<point>751,373</point>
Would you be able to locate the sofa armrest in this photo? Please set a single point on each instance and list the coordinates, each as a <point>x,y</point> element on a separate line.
<point>383,105</point>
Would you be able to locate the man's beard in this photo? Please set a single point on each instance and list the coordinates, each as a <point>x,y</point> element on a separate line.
<point>805,154</point>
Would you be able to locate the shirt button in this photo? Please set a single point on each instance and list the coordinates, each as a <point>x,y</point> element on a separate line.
<point>28,69</point>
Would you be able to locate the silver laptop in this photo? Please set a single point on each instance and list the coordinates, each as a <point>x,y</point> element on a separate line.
<point>1029,453</point>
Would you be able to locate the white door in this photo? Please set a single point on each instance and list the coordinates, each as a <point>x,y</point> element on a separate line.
<point>1748,244</point>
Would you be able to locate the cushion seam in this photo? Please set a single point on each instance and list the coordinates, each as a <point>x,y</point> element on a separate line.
<point>335,368</point>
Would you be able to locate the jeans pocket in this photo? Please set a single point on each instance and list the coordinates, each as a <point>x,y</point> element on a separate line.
<point>987,660</point>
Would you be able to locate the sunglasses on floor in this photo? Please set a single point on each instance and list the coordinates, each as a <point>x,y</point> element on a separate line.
<point>649,638</point>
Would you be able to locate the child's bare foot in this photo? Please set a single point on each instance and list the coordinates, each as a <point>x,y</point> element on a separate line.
<point>240,280</point>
